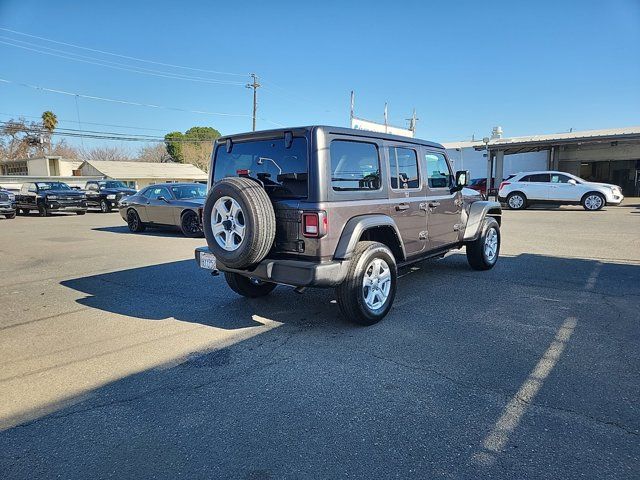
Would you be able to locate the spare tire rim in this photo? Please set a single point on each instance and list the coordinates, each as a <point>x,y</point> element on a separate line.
<point>593,202</point>
<point>376,284</point>
<point>228,223</point>
<point>491,244</point>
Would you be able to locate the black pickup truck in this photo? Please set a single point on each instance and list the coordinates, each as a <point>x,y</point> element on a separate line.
<point>106,194</point>
<point>7,204</point>
<point>47,197</point>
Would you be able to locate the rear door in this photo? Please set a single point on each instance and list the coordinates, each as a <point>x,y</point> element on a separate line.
<point>443,206</point>
<point>536,186</point>
<point>407,195</point>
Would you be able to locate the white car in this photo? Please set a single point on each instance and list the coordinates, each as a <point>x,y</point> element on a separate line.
<point>527,188</point>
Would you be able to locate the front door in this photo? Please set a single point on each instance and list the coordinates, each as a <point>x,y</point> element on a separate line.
<point>444,207</point>
<point>407,195</point>
<point>157,210</point>
<point>561,190</point>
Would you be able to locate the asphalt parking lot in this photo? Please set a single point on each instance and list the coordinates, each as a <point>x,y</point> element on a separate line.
<point>121,359</point>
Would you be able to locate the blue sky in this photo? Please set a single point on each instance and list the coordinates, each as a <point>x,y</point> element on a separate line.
<point>531,67</point>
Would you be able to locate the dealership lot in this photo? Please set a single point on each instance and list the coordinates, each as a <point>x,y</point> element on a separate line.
<point>121,358</point>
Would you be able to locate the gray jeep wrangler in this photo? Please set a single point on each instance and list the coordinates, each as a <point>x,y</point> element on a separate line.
<point>335,207</point>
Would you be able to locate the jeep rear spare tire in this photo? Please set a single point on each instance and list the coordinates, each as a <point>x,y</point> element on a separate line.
<point>239,222</point>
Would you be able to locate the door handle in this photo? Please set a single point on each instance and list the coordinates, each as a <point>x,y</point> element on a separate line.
<point>402,206</point>
<point>434,204</point>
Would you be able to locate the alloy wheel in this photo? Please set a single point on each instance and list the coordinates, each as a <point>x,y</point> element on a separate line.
<point>228,223</point>
<point>376,284</point>
<point>491,244</point>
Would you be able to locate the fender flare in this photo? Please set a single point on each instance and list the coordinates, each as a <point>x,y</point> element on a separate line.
<point>354,229</point>
<point>477,213</point>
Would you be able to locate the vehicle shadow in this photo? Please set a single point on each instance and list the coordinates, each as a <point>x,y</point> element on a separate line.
<point>455,347</point>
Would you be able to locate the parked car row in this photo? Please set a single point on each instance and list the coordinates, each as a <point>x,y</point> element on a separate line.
<point>164,205</point>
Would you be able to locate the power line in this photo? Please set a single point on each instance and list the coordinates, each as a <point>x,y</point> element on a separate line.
<point>114,65</point>
<point>121,56</point>
<point>85,122</point>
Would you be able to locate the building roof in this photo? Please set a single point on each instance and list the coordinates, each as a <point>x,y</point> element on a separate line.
<point>568,137</point>
<point>123,170</point>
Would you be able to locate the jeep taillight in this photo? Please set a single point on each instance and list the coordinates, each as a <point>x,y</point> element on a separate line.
<point>314,224</point>
<point>504,184</point>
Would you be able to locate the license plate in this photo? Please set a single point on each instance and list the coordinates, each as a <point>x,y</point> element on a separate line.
<point>207,261</point>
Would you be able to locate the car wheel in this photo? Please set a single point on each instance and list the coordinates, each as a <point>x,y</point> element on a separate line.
<point>133,221</point>
<point>593,201</point>
<point>482,253</point>
<point>104,206</point>
<point>239,222</point>
<point>517,201</point>
<point>190,224</point>
<point>248,287</point>
<point>366,295</point>
<point>10,216</point>
<point>82,212</point>
<point>43,211</point>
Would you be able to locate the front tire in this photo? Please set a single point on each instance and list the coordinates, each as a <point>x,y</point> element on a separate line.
<point>367,293</point>
<point>133,221</point>
<point>482,253</point>
<point>104,206</point>
<point>517,201</point>
<point>190,225</point>
<point>248,287</point>
<point>43,211</point>
<point>593,201</point>
<point>10,216</point>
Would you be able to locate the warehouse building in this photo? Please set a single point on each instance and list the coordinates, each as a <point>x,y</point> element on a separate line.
<point>608,155</point>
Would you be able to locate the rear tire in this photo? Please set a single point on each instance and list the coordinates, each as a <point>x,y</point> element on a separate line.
<point>239,222</point>
<point>248,287</point>
<point>366,295</point>
<point>517,201</point>
<point>482,253</point>
<point>593,201</point>
<point>190,225</point>
<point>133,221</point>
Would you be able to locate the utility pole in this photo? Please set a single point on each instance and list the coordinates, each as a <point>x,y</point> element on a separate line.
<point>255,85</point>
<point>412,122</point>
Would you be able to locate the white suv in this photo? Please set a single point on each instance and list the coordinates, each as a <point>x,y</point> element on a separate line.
<point>523,189</point>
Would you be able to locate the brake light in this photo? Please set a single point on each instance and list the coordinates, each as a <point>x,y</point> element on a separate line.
<point>314,224</point>
<point>504,184</point>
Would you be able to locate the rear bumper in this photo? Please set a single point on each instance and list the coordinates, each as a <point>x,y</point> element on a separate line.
<point>296,273</point>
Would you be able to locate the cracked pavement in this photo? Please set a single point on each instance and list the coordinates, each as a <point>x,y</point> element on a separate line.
<point>121,359</point>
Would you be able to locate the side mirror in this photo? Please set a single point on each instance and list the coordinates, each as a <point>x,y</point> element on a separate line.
<point>462,178</point>
<point>572,182</point>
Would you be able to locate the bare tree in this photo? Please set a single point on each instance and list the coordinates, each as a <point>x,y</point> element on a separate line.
<point>154,152</point>
<point>109,153</point>
<point>63,149</point>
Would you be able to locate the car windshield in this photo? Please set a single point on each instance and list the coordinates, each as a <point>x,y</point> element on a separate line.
<point>111,184</point>
<point>196,190</point>
<point>283,171</point>
<point>53,186</point>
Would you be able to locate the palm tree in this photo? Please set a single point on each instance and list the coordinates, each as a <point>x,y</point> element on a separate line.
<point>49,122</point>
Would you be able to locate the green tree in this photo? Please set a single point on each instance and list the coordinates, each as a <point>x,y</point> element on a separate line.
<point>49,122</point>
<point>181,146</point>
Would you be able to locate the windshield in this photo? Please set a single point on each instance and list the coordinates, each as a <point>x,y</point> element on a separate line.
<point>111,184</point>
<point>53,186</point>
<point>283,171</point>
<point>182,192</point>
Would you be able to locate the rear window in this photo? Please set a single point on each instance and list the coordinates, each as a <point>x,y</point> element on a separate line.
<point>536,177</point>
<point>283,171</point>
<point>404,168</point>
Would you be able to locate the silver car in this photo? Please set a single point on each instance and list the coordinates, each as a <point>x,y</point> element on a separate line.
<point>169,204</point>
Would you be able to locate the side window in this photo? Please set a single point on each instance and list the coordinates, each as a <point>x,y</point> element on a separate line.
<point>403,163</point>
<point>557,178</point>
<point>537,177</point>
<point>354,166</point>
<point>157,192</point>
<point>438,171</point>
